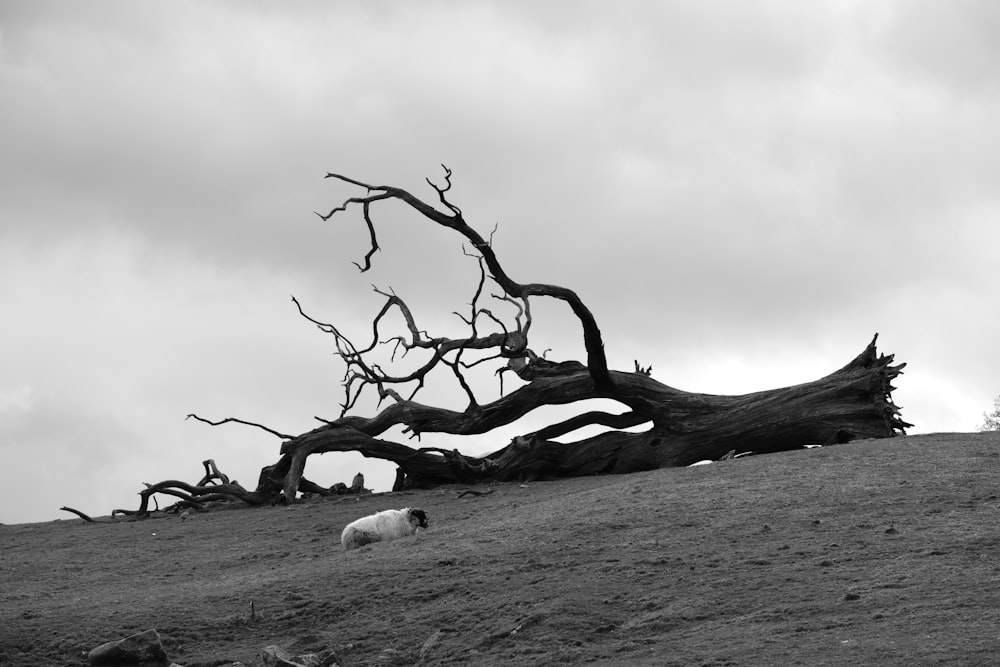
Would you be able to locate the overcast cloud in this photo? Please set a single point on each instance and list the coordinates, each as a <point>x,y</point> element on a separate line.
<point>742,192</point>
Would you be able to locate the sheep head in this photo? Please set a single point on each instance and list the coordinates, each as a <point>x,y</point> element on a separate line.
<point>418,518</point>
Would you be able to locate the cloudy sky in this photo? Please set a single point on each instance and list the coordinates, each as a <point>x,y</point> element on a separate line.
<point>744,193</point>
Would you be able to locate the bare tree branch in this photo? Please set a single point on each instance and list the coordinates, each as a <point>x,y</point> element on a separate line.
<point>360,373</point>
<point>227,420</point>
<point>79,514</point>
<point>596,359</point>
<point>595,418</point>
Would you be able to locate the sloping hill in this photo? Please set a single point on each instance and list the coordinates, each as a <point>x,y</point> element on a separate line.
<point>879,552</point>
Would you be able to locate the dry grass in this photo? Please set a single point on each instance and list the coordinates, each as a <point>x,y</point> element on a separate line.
<point>878,552</point>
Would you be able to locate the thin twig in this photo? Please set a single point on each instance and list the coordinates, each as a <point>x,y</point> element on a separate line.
<point>283,436</point>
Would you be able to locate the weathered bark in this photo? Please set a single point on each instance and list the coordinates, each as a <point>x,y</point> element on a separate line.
<point>851,403</point>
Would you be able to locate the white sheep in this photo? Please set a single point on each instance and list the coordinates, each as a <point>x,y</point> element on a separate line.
<point>383,526</point>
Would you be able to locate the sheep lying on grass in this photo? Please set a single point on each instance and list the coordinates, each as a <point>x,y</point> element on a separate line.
<point>382,527</point>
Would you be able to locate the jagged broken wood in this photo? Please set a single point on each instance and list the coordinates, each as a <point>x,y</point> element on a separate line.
<point>677,427</point>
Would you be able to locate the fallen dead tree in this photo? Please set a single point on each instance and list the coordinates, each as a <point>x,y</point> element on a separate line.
<point>677,427</point>
<point>216,486</point>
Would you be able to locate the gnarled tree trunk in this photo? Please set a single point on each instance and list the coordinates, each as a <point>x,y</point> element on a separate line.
<point>849,404</point>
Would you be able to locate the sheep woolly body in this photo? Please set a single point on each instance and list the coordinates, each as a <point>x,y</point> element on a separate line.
<point>383,526</point>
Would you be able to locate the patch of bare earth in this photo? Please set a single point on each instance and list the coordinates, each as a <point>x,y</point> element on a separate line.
<point>878,552</point>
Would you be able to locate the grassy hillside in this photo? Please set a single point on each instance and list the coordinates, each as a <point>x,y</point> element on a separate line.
<point>878,552</point>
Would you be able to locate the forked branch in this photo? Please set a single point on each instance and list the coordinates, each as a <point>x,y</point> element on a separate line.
<point>361,373</point>
<point>453,219</point>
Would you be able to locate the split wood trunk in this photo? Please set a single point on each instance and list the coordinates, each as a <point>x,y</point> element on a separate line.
<point>851,403</point>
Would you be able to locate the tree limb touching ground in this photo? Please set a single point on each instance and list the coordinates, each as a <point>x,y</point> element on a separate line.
<point>678,427</point>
